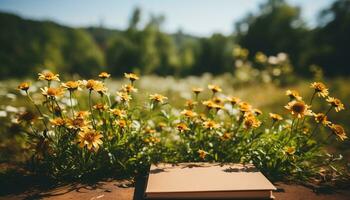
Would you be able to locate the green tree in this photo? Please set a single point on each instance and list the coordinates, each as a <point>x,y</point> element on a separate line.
<point>331,41</point>
<point>215,55</point>
<point>278,27</point>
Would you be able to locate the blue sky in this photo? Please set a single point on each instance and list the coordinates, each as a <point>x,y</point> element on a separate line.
<point>198,17</point>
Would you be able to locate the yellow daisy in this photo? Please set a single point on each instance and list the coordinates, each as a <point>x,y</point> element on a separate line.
<point>118,112</point>
<point>202,153</point>
<point>251,121</point>
<point>321,118</point>
<point>23,86</point>
<point>244,107</point>
<point>336,103</point>
<point>189,113</point>
<point>275,117</point>
<point>289,150</point>
<point>320,89</point>
<point>182,127</point>
<point>52,92</point>
<point>131,76</point>
<point>71,85</point>
<point>49,76</point>
<point>210,124</point>
<point>298,109</point>
<point>157,98</point>
<point>233,100</point>
<point>339,131</point>
<point>293,95</point>
<point>104,75</point>
<point>90,138</point>
<point>214,88</point>
<point>197,90</point>
<point>58,122</point>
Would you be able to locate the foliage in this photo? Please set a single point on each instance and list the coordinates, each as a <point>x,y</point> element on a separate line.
<point>113,132</point>
<point>28,45</point>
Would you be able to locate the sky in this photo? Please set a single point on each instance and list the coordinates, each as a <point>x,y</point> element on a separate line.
<point>197,17</point>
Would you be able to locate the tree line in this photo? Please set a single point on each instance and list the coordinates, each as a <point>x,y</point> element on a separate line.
<point>28,46</point>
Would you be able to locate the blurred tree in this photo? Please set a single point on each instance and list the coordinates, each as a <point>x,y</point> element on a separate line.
<point>121,55</point>
<point>82,55</point>
<point>27,47</point>
<point>278,27</point>
<point>332,39</point>
<point>215,55</point>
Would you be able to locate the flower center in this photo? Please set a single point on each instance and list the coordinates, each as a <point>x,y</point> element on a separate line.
<point>298,107</point>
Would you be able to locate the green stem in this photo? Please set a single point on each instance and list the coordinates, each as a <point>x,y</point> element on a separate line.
<point>312,98</point>
<point>71,103</point>
<point>92,114</point>
<point>314,130</point>
<point>328,110</point>
<point>38,109</point>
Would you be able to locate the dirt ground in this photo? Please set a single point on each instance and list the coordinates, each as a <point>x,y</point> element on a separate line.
<point>119,190</point>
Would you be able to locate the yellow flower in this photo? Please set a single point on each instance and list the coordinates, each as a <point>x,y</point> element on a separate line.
<point>257,111</point>
<point>202,153</point>
<point>226,136</point>
<point>320,89</point>
<point>58,121</point>
<point>298,109</point>
<point>162,125</point>
<point>197,90</point>
<point>149,130</point>
<point>336,103</point>
<point>218,100</point>
<point>131,76</point>
<point>118,113</point>
<point>152,140</point>
<point>124,96</point>
<point>182,127</point>
<point>52,92</point>
<point>245,107</point>
<point>157,98</point>
<point>71,85</point>
<point>122,123</point>
<point>321,118</point>
<point>293,95</point>
<point>129,89</point>
<point>275,117</point>
<point>77,123</point>
<point>214,88</point>
<point>23,86</point>
<point>189,113</point>
<point>210,104</point>
<point>82,114</point>
<point>49,76</point>
<point>100,107</point>
<point>96,86</point>
<point>210,124</point>
<point>251,121</point>
<point>190,104</point>
<point>339,131</point>
<point>89,138</point>
<point>104,75</point>
<point>289,150</point>
<point>233,100</point>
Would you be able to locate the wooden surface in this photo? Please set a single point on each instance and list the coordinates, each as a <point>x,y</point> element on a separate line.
<point>114,190</point>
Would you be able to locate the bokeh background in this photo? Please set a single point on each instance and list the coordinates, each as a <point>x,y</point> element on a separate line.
<point>253,49</point>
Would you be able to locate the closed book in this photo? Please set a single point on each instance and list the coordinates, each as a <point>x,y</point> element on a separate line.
<point>207,181</point>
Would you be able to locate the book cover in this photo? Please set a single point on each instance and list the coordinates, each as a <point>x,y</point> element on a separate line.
<point>207,180</point>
